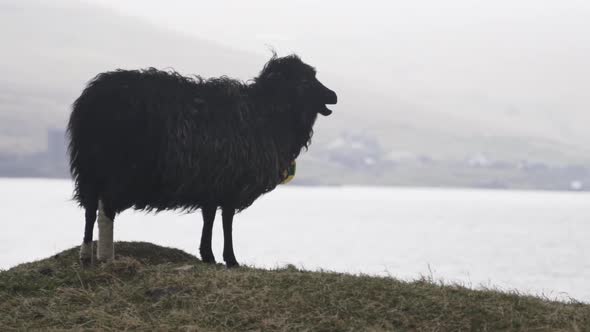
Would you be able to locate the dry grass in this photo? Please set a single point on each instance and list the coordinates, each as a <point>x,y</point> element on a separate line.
<point>155,288</point>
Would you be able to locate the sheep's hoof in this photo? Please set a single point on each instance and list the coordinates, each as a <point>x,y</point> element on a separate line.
<point>85,262</point>
<point>209,259</point>
<point>232,264</point>
<point>85,254</point>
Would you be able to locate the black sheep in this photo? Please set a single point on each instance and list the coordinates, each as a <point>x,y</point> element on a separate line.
<point>156,140</point>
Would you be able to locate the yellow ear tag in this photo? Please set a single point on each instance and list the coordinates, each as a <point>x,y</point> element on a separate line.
<point>289,173</point>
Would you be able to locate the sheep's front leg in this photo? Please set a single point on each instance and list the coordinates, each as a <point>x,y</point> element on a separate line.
<point>228,246</point>
<point>106,248</point>
<point>205,247</point>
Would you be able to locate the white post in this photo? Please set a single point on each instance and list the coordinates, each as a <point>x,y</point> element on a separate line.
<point>105,249</point>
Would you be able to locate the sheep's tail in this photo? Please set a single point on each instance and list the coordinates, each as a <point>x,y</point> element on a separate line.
<point>81,162</point>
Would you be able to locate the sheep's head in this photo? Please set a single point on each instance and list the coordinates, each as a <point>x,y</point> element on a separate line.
<point>291,80</point>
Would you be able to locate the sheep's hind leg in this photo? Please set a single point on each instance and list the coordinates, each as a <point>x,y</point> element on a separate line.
<point>205,247</point>
<point>106,249</point>
<point>86,247</point>
<point>228,247</point>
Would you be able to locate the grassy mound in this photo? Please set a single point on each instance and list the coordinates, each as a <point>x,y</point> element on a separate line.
<point>154,288</point>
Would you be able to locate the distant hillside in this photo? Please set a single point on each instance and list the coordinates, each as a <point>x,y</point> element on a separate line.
<point>50,50</point>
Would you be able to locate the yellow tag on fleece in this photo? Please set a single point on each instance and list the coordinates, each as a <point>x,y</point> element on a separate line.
<point>289,173</point>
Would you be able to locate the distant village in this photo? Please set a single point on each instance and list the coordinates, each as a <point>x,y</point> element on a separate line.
<point>359,160</point>
<point>51,163</point>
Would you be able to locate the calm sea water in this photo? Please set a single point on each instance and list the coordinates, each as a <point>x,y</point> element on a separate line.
<point>534,242</point>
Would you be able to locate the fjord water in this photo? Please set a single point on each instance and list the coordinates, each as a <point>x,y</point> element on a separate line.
<point>533,242</point>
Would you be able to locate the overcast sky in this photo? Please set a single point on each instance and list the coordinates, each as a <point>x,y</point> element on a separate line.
<point>307,23</point>
<point>520,49</point>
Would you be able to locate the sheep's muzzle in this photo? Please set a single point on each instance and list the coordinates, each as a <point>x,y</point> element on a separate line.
<point>330,98</point>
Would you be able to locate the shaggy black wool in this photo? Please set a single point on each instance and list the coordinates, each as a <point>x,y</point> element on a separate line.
<point>155,140</point>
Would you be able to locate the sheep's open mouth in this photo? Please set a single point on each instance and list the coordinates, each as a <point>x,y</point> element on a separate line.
<point>330,98</point>
<point>325,111</point>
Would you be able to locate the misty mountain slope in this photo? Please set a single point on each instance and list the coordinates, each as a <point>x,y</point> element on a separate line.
<point>50,50</point>
<point>74,36</point>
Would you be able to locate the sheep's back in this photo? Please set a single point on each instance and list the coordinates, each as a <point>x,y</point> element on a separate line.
<point>158,140</point>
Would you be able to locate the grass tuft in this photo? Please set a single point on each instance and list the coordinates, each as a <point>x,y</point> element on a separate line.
<point>149,287</point>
